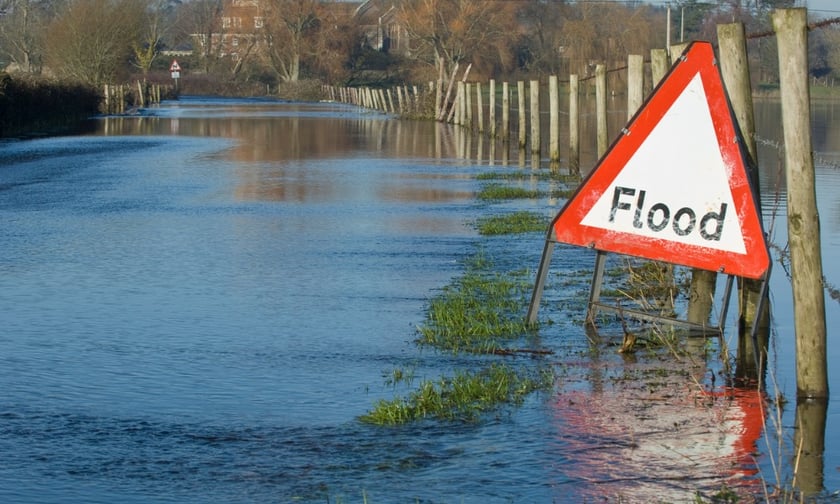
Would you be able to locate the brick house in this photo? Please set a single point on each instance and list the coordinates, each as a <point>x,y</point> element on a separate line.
<point>241,22</point>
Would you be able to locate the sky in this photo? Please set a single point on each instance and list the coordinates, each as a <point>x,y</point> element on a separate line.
<point>823,8</point>
<point>820,8</point>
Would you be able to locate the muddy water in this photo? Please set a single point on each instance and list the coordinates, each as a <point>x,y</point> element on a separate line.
<point>197,303</point>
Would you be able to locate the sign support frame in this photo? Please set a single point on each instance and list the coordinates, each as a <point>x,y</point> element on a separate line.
<point>595,305</point>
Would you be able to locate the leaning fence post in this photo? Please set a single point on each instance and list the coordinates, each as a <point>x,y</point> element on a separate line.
<point>803,220</point>
<point>444,107</point>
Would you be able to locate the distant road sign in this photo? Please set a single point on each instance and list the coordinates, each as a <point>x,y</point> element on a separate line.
<point>674,186</point>
<point>174,67</point>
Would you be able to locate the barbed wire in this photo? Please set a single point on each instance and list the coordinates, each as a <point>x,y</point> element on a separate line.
<point>751,36</point>
<point>811,27</point>
<point>783,251</point>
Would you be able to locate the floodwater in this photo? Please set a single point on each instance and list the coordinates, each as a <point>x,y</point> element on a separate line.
<point>197,303</point>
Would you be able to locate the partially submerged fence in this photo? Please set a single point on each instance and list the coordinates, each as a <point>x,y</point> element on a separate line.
<point>121,98</point>
<point>790,27</point>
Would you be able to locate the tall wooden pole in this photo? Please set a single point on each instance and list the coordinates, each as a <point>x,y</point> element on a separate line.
<point>803,220</point>
<point>735,69</point>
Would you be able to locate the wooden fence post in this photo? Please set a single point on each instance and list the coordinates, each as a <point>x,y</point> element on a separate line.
<point>735,69</point>
<point>523,136</point>
<point>601,107</point>
<point>535,117</point>
<point>803,220</point>
<point>676,51</point>
<point>635,83</point>
<point>479,108</point>
<point>658,64</point>
<point>505,112</point>
<point>141,94</point>
<point>492,106</point>
<point>468,118</point>
<point>574,125</point>
<point>553,120</point>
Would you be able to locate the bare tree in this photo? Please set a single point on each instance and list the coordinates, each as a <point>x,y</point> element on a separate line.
<point>203,21</point>
<point>543,22</point>
<point>290,33</point>
<point>337,36</point>
<point>591,34</point>
<point>21,32</point>
<point>156,22</point>
<point>90,40</point>
<point>445,33</point>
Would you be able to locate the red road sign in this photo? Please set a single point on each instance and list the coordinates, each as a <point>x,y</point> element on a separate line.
<point>174,67</point>
<point>674,185</point>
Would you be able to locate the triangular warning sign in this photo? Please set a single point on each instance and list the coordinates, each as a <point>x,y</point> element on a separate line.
<point>674,186</point>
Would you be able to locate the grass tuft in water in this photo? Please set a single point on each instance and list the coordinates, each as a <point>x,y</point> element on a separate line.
<point>463,397</point>
<point>517,222</point>
<point>572,180</point>
<point>503,192</point>
<point>477,313</point>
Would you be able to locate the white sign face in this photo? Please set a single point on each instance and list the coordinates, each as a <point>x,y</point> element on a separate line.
<point>675,191</point>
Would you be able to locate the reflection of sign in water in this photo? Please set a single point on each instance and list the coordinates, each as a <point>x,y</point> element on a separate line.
<point>674,185</point>
<point>659,445</point>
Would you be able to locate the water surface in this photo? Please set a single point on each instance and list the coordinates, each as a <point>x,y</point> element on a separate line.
<point>199,302</point>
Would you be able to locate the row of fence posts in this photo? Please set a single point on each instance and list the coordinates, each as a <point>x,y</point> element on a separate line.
<point>433,102</point>
<point>400,100</point>
<point>466,108</point>
<point>119,98</point>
